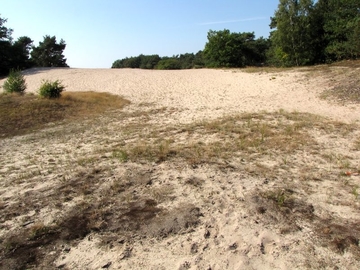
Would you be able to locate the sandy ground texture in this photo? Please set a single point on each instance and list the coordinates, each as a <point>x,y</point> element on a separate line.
<point>205,169</point>
<point>201,94</point>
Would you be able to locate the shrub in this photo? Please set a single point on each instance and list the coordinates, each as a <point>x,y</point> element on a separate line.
<point>50,89</point>
<point>15,83</point>
<point>171,63</point>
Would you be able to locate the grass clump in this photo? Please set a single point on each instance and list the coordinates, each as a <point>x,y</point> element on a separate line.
<point>15,83</point>
<point>50,89</point>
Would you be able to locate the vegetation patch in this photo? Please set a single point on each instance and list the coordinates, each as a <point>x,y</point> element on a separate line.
<point>269,134</point>
<point>27,113</point>
<point>15,83</point>
<point>348,91</point>
<point>50,89</point>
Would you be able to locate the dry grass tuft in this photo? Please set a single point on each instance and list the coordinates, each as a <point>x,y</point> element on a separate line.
<point>264,133</point>
<point>20,114</point>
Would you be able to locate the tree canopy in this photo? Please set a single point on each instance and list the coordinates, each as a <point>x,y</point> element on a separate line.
<point>49,53</point>
<point>182,61</point>
<point>21,54</point>
<point>308,32</point>
<point>226,49</point>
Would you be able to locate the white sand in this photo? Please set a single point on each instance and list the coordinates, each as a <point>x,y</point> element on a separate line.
<point>232,233</point>
<point>203,93</point>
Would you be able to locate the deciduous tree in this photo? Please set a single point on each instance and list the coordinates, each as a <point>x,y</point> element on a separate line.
<point>226,49</point>
<point>292,38</point>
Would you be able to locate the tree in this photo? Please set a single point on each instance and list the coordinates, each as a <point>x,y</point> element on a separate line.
<point>225,49</point>
<point>149,61</point>
<point>5,47</point>
<point>49,53</point>
<point>169,63</point>
<point>291,41</point>
<point>15,83</point>
<point>21,53</point>
<point>341,24</point>
<point>199,60</point>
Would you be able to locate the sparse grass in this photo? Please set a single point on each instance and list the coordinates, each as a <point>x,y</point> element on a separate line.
<point>39,230</point>
<point>139,199</point>
<point>281,133</point>
<point>121,155</point>
<point>344,78</point>
<point>345,92</point>
<point>357,144</point>
<point>266,69</point>
<point>26,113</point>
<point>355,192</point>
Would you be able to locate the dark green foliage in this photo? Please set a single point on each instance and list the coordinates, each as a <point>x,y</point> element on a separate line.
<point>292,39</point>
<point>50,89</point>
<point>182,61</point>
<point>132,62</point>
<point>5,57</point>
<point>342,28</point>
<point>199,60</point>
<point>5,48</point>
<point>225,49</point>
<point>49,53</point>
<point>15,83</point>
<point>311,32</point>
<point>169,63</point>
<point>5,33</point>
<point>21,53</point>
<point>117,64</point>
<point>149,61</point>
<point>17,54</point>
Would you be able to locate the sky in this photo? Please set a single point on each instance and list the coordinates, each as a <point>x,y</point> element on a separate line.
<point>98,32</point>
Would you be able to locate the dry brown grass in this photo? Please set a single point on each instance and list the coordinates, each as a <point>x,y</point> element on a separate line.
<point>342,76</point>
<point>280,133</point>
<point>267,69</point>
<point>116,192</point>
<point>20,114</point>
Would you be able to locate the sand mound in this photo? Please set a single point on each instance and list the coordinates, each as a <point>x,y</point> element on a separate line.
<point>204,93</point>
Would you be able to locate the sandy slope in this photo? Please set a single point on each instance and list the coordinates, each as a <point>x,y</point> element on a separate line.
<point>234,227</point>
<point>204,93</point>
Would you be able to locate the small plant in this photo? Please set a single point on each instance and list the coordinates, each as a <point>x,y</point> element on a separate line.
<point>355,192</point>
<point>280,198</point>
<point>50,89</point>
<point>15,83</point>
<point>38,230</point>
<point>121,155</point>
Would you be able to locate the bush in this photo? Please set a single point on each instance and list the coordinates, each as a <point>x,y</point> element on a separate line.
<point>50,89</point>
<point>15,83</point>
<point>170,63</point>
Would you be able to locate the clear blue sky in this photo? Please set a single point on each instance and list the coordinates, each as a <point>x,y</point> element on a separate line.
<point>98,32</point>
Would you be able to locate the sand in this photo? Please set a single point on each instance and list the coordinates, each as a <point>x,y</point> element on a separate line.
<point>230,226</point>
<point>204,93</point>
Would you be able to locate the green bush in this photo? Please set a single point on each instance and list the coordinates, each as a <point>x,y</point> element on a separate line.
<point>170,63</point>
<point>50,89</point>
<point>15,83</point>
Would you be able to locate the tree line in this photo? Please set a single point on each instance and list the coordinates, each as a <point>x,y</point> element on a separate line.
<point>182,61</point>
<point>22,54</point>
<point>304,32</point>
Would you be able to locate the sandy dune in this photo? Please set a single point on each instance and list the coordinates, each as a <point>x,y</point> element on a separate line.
<point>204,93</point>
<point>274,205</point>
